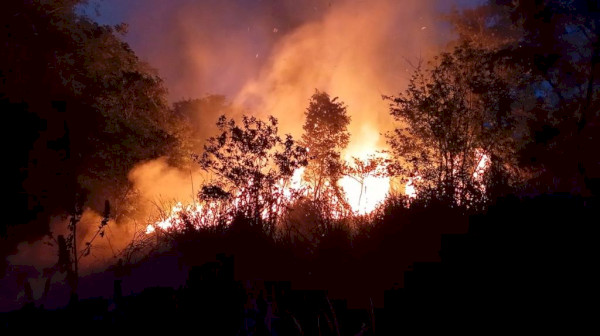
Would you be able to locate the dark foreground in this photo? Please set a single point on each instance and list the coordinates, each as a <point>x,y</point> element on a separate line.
<point>526,265</point>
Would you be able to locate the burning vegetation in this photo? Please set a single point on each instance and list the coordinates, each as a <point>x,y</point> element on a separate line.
<point>342,149</point>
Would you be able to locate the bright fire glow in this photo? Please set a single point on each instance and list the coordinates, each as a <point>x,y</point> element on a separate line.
<point>409,189</point>
<point>364,198</point>
<point>197,213</point>
<point>478,175</point>
<point>363,194</point>
<point>207,214</point>
<point>484,162</point>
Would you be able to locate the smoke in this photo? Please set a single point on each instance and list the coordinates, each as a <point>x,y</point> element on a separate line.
<point>159,185</point>
<point>34,261</point>
<point>156,187</point>
<point>358,51</point>
<point>204,47</point>
<point>268,57</point>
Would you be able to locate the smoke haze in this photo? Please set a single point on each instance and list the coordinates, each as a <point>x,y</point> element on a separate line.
<point>267,57</point>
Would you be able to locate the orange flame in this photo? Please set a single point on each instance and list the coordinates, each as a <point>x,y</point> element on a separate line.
<point>362,197</point>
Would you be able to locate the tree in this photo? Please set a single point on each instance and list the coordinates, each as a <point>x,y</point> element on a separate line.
<point>84,110</point>
<point>454,115</point>
<point>564,39</point>
<point>558,44</point>
<point>325,136</point>
<point>69,255</point>
<point>252,166</point>
<point>489,25</point>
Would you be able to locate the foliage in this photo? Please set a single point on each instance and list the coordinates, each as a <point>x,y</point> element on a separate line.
<point>251,164</point>
<point>325,136</point>
<point>84,108</point>
<point>564,39</point>
<point>452,116</point>
<point>557,43</point>
<point>489,25</point>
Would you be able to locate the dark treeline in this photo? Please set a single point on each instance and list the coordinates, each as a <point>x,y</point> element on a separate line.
<point>506,246</point>
<point>557,46</point>
<point>82,111</point>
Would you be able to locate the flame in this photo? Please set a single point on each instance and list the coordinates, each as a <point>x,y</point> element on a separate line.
<point>363,197</point>
<point>150,229</point>
<point>483,164</point>
<point>410,189</point>
<point>210,213</point>
<point>176,218</point>
<point>365,193</point>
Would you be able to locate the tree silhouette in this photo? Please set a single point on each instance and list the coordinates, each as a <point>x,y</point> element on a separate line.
<point>84,108</point>
<point>252,166</point>
<point>454,116</point>
<point>558,44</point>
<point>325,136</point>
<point>69,254</point>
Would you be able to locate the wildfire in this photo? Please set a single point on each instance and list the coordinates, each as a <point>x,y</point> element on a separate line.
<point>483,163</point>
<point>410,189</point>
<point>364,197</point>
<point>368,185</point>
<point>177,216</point>
<point>209,213</point>
<point>363,194</point>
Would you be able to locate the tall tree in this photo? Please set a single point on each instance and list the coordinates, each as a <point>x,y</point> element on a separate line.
<point>558,43</point>
<point>488,25</point>
<point>83,110</point>
<point>454,117</point>
<point>325,136</point>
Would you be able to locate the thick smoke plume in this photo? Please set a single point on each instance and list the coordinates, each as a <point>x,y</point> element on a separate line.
<point>358,51</point>
<point>268,57</point>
